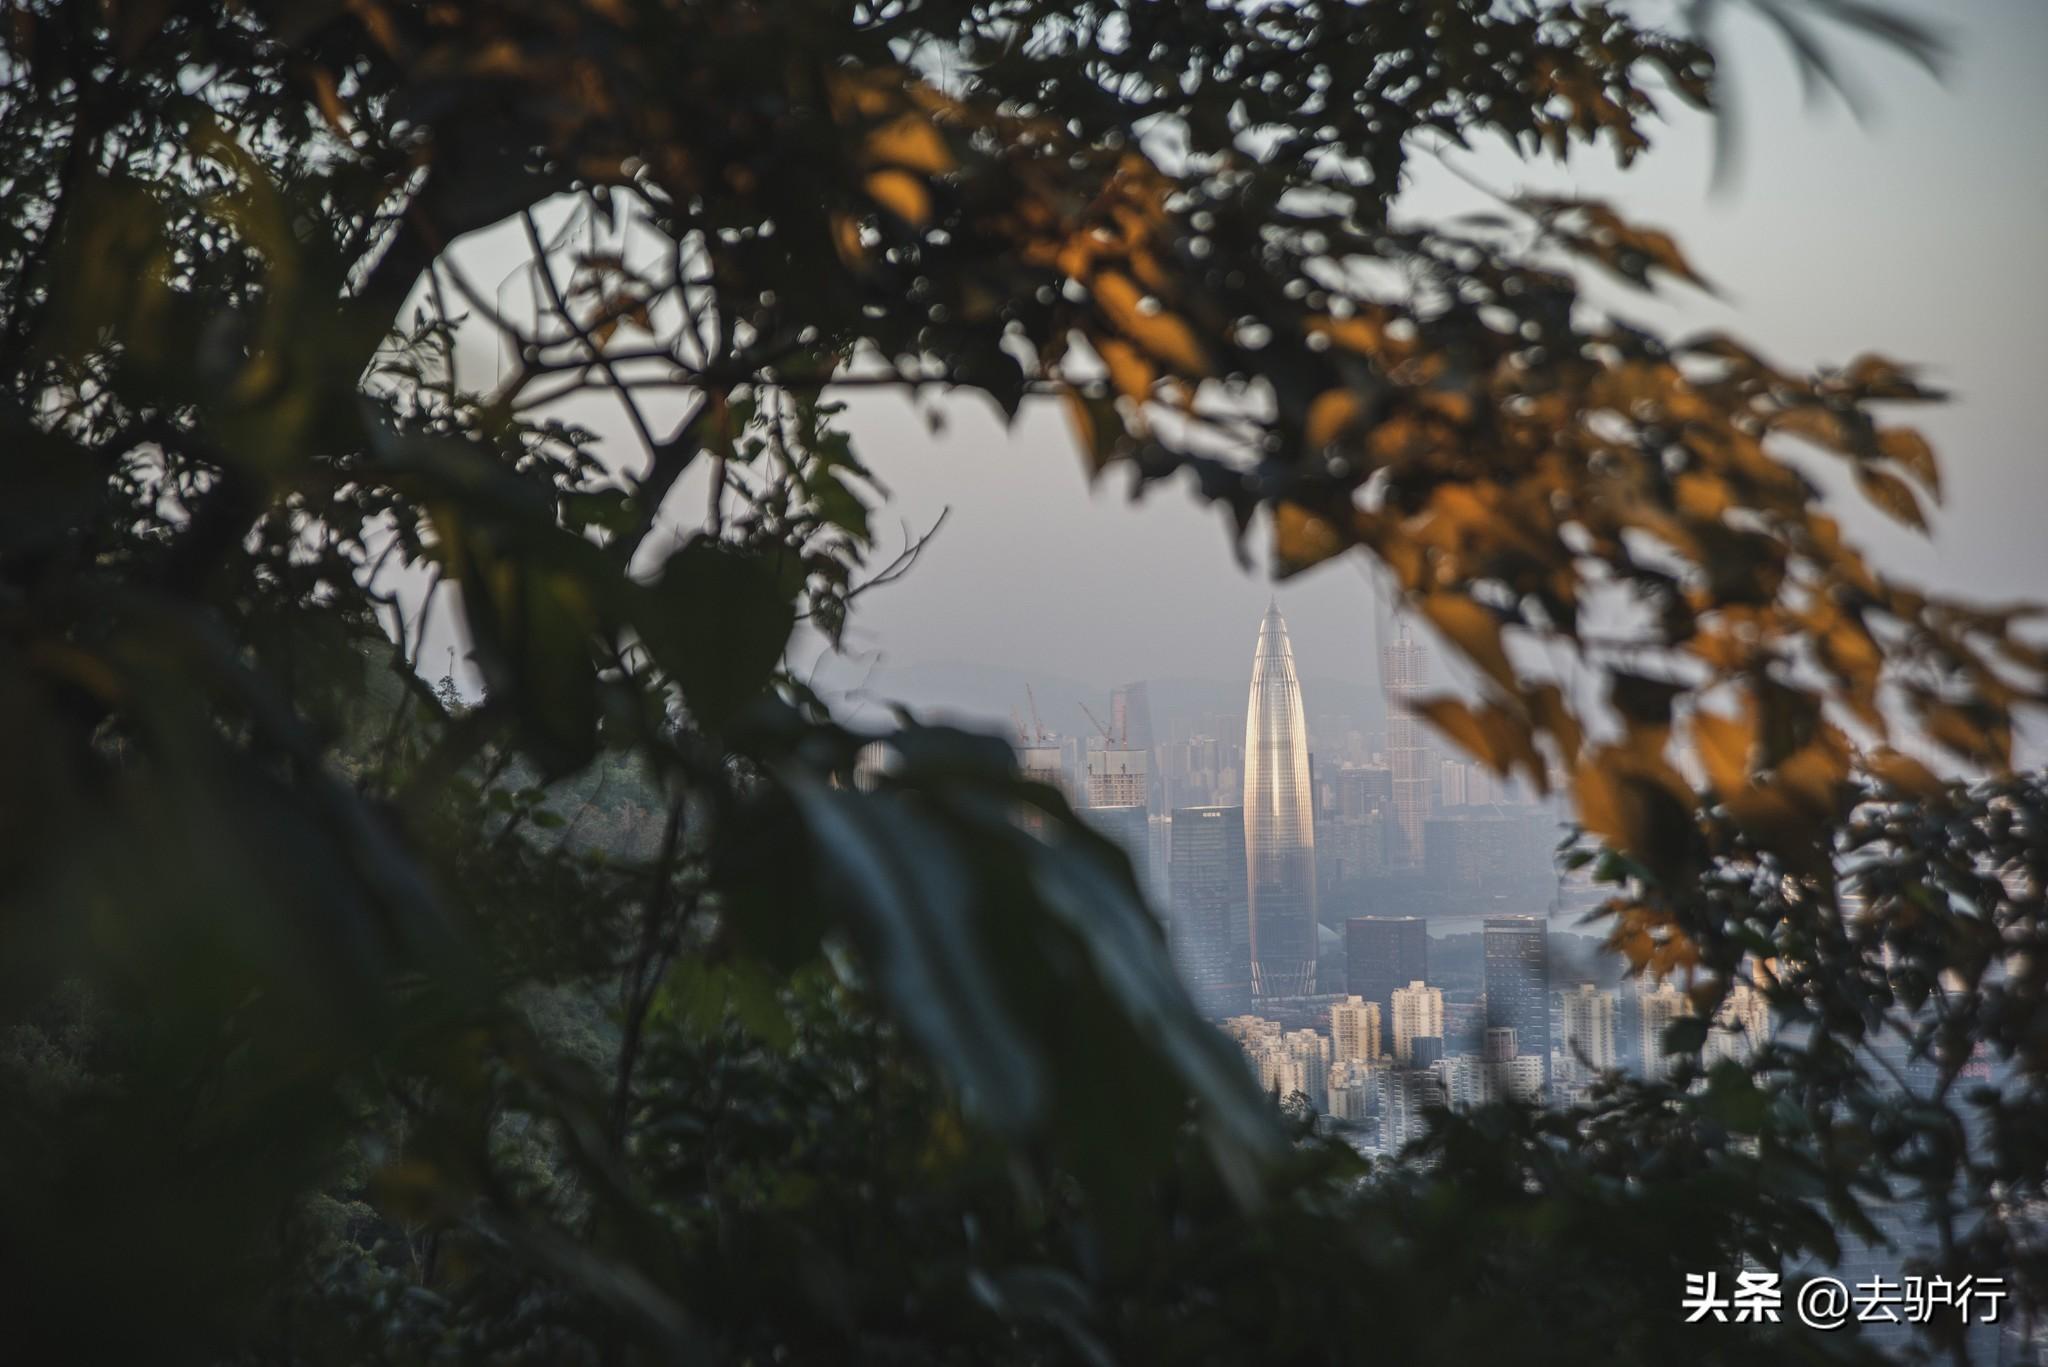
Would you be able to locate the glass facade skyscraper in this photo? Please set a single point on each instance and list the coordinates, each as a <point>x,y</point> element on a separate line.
<point>1382,953</point>
<point>1209,927</point>
<point>1279,821</point>
<point>1404,672</point>
<point>1518,982</point>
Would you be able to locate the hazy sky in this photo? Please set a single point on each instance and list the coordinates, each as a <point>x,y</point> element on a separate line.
<point>1918,233</point>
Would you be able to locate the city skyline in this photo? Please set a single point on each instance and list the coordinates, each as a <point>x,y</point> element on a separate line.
<point>1362,1027</point>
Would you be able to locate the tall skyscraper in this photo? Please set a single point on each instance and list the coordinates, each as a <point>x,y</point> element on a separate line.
<point>1159,850</point>
<point>1403,674</point>
<point>1209,929</point>
<point>1382,953</point>
<point>1518,981</point>
<point>1279,821</point>
<point>1589,1042</point>
<point>1418,1014</point>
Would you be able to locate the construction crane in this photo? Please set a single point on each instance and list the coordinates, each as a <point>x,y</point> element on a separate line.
<point>1017,727</point>
<point>1037,723</point>
<point>1109,737</point>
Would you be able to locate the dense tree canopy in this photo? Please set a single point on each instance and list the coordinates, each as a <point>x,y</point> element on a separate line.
<point>607,1017</point>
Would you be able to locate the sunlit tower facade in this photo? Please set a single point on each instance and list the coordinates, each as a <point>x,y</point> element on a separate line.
<point>1279,821</point>
<point>1403,674</point>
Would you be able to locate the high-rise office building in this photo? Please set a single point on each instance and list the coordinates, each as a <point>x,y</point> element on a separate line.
<point>1354,1030</point>
<point>1589,1043</point>
<point>1279,821</point>
<point>1418,1014</point>
<point>1404,674</point>
<point>1209,925</point>
<point>1382,953</point>
<point>1517,952</point>
<point>1159,848</point>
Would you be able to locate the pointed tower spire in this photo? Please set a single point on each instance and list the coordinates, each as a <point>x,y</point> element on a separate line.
<point>1279,824</point>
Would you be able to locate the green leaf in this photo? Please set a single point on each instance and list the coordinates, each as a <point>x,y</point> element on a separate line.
<point>717,621</point>
<point>907,894</point>
<point>1686,1035</point>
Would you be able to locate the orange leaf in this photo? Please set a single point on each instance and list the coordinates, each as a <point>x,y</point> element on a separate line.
<point>1459,724</point>
<point>1703,496</point>
<point>1850,652</point>
<point>902,194</point>
<point>1099,427</point>
<point>1817,425</point>
<point>1599,801</point>
<point>1302,538</point>
<point>1163,334</point>
<point>1909,450</point>
<point>1129,370</point>
<point>1353,334</point>
<point>1332,412</point>
<point>1473,629</point>
<point>846,241</point>
<point>1813,776</point>
<point>1963,733</point>
<point>911,141</point>
<point>1723,744</point>
<point>1903,773</point>
<point>1546,704</point>
<point>1893,495</point>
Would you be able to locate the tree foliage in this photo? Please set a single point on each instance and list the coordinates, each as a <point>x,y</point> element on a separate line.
<point>639,1009</point>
